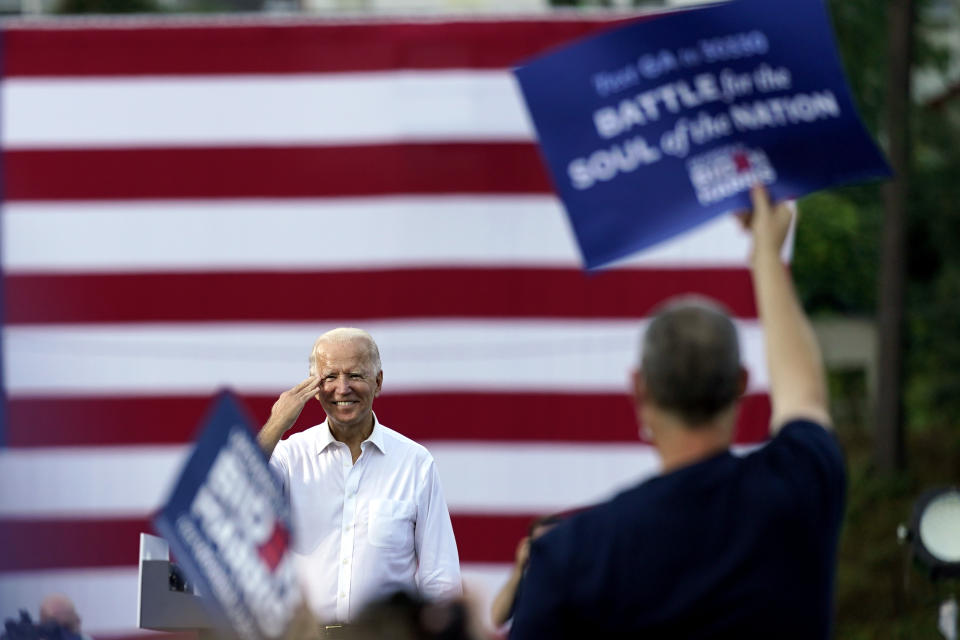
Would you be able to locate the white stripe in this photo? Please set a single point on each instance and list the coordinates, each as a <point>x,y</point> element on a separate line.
<point>332,108</point>
<point>538,478</point>
<point>384,14</point>
<point>128,482</point>
<point>336,233</point>
<point>418,355</point>
<point>477,477</point>
<point>106,599</point>
<point>87,482</point>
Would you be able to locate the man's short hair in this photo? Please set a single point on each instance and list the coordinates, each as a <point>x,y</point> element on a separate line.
<point>691,360</point>
<point>342,335</point>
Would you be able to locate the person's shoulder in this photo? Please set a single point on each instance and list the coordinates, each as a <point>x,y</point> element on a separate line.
<point>301,441</point>
<point>601,519</point>
<point>393,439</point>
<point>803,425</point>
<point>805,455</point>
<point>806,433</point>
<point>573,544</point>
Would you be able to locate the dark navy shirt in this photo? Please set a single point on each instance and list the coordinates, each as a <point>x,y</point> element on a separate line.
<point>738,547</point>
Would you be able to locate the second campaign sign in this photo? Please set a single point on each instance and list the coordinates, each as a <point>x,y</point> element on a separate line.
<point>655,127</point>
<point>228,522</point>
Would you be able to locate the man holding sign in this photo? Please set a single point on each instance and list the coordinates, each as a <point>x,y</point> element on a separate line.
<point>717,545</point>
<point>369,516</point>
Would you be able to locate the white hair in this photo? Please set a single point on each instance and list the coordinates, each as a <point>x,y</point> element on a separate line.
<point>343,335</point>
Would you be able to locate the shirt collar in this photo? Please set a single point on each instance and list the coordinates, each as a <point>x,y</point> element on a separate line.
<point>325,438</point>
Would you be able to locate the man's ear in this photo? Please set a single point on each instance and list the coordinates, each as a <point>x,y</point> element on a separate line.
<point>742,381</point>
<point>639,386</point>
<point>639,401</point>
<point>379,383</point>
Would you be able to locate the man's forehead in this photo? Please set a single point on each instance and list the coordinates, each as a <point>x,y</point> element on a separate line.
<point>343,354</point>
<point>338,364</point>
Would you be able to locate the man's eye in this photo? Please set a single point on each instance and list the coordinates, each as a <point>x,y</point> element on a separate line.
<point>356,376</point>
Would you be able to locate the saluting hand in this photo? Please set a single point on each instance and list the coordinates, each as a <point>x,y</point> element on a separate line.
<point>288,406</point>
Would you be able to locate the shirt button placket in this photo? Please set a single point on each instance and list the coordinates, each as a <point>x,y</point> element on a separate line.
<point>347,535</point>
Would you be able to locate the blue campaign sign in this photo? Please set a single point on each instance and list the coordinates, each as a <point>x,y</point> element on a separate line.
<point>652,128</point>
<point>228,523</point>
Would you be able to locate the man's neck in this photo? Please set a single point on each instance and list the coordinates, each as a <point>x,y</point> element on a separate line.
<point>352,436</point>
<point>681,445</point>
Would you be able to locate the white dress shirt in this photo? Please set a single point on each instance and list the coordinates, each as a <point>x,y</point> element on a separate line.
<point>365,530</point>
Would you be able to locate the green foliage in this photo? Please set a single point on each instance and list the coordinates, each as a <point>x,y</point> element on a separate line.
<point>933,388</point>
<point>860,28</point>
<point>837,253</point>
<point>880,593</point>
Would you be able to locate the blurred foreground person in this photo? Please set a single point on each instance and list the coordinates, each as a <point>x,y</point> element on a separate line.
<point>368,511</point>
<point>506,599</point>
<point>58,609</point>
<point>58,620</point>
<point>717,546</point>
<point>402,616</point>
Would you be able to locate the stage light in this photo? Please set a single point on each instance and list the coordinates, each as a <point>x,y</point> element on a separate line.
<point>934,532</point>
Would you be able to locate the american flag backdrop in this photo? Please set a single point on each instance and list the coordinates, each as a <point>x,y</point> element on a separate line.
<point>187,204</point>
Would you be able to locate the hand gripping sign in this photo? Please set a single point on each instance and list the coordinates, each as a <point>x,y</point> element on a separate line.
<point>652,128</point>
<point>228,523</point>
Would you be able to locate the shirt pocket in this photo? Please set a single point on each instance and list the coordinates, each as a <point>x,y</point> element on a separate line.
<point>391,523</point>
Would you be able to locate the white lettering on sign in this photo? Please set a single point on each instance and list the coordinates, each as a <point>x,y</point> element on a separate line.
<point>776,112</point>
<point>604,165</point>
<point>236,512</point>
<point>734,47</point>
<point>649,106</point>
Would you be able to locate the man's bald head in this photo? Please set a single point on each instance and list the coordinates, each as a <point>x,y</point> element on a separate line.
<point>58,608</point>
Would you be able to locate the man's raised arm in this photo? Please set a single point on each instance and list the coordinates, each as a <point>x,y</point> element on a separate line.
<point>285,412</point>
<point>797,381</point>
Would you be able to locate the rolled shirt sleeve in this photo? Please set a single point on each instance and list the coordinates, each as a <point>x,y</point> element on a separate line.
<point>438,571</point>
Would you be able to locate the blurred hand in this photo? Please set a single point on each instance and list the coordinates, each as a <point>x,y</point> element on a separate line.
<point>303,625</point>
<point>769,225</point>
<point>523,552</point>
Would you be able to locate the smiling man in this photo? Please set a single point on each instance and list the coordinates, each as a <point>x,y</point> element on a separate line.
<point>368,512</point>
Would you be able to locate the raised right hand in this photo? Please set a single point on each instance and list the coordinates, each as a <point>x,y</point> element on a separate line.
<point>768,224</point>
<point>288,406</point>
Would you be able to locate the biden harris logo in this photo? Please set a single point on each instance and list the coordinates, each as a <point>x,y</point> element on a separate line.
<point>729,170</point>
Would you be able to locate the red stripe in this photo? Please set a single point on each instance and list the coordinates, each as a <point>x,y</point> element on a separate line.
<point>544,417</point>
<point>487,538</point>
<point>314,48</point>
<point>64,543</point>
<point>399,293</point>
<point>273,172</point>
<point>29,545</point>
